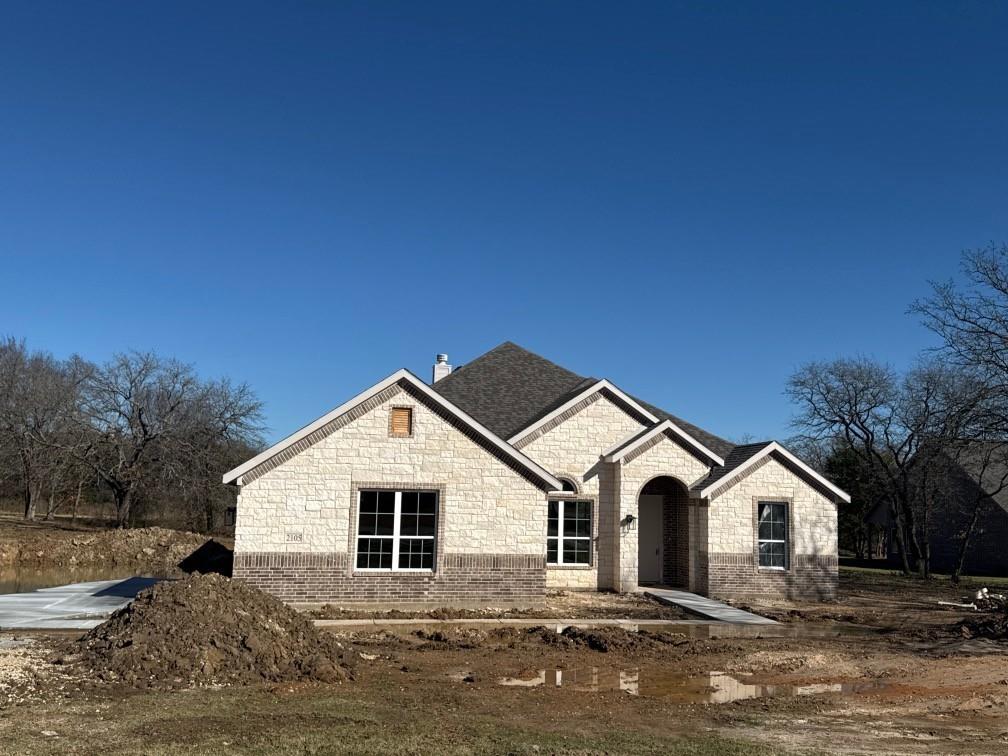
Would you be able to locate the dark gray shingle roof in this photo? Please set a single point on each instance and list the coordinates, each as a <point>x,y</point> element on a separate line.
<point>508,388</point>
<point>735,457</point>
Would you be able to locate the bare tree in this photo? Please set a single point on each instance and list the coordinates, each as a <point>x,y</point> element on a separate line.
<point>130,409</point>
<point>896,425</point>
<point>35,394</point>
<point>148,427</point>
<point>973,320</point>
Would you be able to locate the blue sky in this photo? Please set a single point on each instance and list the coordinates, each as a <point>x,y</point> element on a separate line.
<point>690,199</point>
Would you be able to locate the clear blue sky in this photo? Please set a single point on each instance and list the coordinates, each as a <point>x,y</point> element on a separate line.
<point>690,199</point>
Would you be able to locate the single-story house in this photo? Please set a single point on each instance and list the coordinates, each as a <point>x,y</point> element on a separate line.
<point>969,516</point>
<point>512,475</point>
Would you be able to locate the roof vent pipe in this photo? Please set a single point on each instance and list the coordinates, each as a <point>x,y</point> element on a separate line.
<point>441,368</point>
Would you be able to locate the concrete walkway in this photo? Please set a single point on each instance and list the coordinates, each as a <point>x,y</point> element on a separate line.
<point>706,607</point>
<point>559,623</point>
<point>79,606</point>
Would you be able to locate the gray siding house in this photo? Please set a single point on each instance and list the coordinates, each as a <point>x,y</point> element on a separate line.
<point>513,475</point>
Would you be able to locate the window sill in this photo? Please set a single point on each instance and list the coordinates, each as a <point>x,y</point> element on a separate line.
<point>389,571</point>
<point>569,566</point>
<point>773,570</point>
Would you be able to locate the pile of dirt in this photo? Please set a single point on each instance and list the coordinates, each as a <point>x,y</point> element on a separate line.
<point>601,639</point>
<point>153,547</point>
<point>993,626</point>
<point>210,630</point>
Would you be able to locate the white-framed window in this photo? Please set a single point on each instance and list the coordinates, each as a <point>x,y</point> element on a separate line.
<point>568,532</point>
<point>396,530</point>
<point>772,537</point>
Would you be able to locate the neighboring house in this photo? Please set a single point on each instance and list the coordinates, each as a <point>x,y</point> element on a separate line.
<point>970,506</point>
<point>512,475</point>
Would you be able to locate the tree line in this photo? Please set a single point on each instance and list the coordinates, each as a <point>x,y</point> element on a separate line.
<point>141,432</point>
<point>900,439</point>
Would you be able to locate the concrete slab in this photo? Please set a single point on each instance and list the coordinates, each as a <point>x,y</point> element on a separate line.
<point>79,606</point>
<point>706,607</point>
<point>559,623</point>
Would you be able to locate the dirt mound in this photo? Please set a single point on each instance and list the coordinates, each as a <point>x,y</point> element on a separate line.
<point>601,639</point>
<point>154,549</point>
<point>993,626</point>
<point>209,630</point>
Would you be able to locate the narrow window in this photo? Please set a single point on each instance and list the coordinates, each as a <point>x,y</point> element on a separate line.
<point>568,532</point>
<point>773,535</point>
<point>401,423</point>
<point>396,530</point>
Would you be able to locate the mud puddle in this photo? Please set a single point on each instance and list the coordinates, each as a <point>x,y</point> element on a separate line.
<point>710,688</point>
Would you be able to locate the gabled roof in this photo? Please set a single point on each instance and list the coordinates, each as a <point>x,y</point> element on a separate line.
<point>636,440</point>
<point>509,389</point>
<point>570,400</point>
<point>742,458</point>
<point>406,378</point>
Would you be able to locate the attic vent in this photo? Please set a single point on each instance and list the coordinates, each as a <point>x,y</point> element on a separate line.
<point>401,422</point>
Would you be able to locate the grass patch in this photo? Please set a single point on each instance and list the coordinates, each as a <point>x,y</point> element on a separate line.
<point>874,577</point>
<point>323,721</point>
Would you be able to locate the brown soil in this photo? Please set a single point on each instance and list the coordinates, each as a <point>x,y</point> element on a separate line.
<point>993,625</point>
<point>492,689</point>
<point>209,630</point>
<point>901,606</point>
<point>558,605</point>
<point>40,545</point>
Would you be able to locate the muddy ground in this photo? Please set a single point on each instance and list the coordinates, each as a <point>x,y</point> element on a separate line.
<point>882,685</point>
<point>558,604</point>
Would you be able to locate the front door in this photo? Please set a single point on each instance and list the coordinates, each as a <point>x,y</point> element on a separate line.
<point>649,539</point>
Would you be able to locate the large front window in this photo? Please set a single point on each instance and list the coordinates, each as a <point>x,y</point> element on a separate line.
<point>773,534</point>
<point>395,530</point>
<point>568,532</point>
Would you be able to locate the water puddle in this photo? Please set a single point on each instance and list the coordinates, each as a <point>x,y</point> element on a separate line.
<point>711,688</point>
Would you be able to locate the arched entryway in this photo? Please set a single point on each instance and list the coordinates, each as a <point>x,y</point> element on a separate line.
<point>663,532</point>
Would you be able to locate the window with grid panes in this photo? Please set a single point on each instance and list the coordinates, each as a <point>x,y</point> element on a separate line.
<point>568,532</point>
<point>396,530</point>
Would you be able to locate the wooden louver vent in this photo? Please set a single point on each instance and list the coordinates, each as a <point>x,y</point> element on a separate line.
<point>402,421</point>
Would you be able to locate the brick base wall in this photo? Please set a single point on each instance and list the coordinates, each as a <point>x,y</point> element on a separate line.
<point>810,577</point>
<point>511,580</point>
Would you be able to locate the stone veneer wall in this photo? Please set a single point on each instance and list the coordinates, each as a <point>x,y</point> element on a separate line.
<point>295,530</point>
<point>662,456</point>
<point>731,557</point>
<point>569,447</point>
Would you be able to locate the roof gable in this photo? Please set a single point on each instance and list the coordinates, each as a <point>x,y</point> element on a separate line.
<point>509,389</point>
<point>744,458</point>
<point>414,385</point>
<point>629,445</point>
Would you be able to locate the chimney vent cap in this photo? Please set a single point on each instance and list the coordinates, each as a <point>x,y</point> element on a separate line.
<point>442,358</point>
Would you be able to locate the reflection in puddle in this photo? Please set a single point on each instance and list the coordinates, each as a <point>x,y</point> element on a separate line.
<point>713,687</point>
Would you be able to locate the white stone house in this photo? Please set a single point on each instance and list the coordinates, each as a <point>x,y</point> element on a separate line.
<point>512,475</point>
